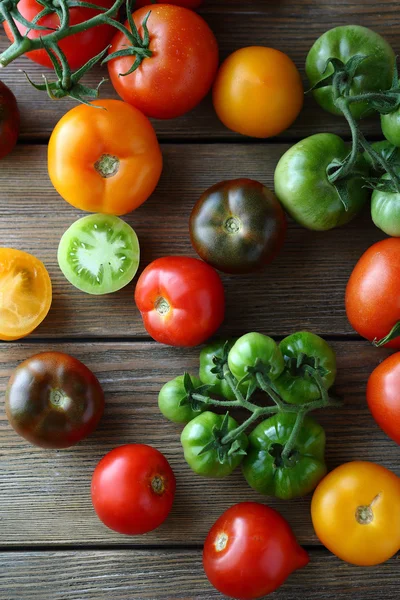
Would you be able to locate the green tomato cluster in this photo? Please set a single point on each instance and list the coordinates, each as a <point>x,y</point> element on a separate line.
<point>230,373</point>
<point>352,73</point>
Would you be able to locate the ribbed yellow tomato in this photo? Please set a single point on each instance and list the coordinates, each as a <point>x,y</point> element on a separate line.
<point>25,293</point>
<point>356,513</point>
<point>258,92</point>
<point>105,159</point>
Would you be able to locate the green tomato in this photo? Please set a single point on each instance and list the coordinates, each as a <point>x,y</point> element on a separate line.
<point>385,209</point>
<point>390,124</point>
<point>296,385</point>
<point>387,151</point>
<point>302,185</point>
<point>99,254</point>
<point>201,432</point>
<point>374,74</point>
<point>255,350</point>
<point>170,397</point>
<point>267,472</point>
<point>219,386</point>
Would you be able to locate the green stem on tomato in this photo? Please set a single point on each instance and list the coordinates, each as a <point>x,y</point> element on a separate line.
<point>22,44</point>
<point>381,161</point>
<point>290,444</point>
<point>393,334</point>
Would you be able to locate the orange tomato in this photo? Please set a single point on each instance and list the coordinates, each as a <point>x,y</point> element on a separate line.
<point>25,293</point>
<point>104,160</point>
<point>258,92</point>
<point>356,513</point>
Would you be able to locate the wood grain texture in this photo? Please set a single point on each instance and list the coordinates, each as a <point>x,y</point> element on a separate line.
<point>289,25</point>
<point>173,574</point>
<point>303,288</point>
<point>45,495</point>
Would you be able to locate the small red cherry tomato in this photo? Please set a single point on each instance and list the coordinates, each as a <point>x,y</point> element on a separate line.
<point>383,396</point>
<point>181,300</point>
<point>250,551</point>
<point>133,489</point>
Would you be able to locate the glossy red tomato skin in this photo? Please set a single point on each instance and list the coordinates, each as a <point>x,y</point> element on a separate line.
<point>260,553</point>
<point>181,70</point>
<point>185,3</point>
<point>53,400</point>
<point>78,48</point>
<point>122,489</point>
<point>9,120</point>
<point>383,396</point>
<point>373,290</point>
<point>194,294</point>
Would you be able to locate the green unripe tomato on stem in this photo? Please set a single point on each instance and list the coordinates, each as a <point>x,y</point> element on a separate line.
<point>296,385</point>
<point>203,432</point>
<point>171,396</point>
<point>303,187</point>
<point>374,74</point>
<point>268,472</point>
<point>255,351</point>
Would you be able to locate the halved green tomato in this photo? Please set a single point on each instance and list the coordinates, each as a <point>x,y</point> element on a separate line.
<point>99,254</point>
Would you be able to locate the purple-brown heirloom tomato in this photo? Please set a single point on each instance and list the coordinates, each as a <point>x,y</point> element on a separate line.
<point>9,120</point>
<point>53,400</point>
<point>237,226</point>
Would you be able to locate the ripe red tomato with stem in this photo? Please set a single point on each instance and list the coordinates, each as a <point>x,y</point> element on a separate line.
<point>250,551</point>
<point>133,489</point>
<point>78,48</point>
<point>181,300</point>
<point>383,396</point>
<point>178,66</point>
<point>9,120</point>
<point>372,294</point>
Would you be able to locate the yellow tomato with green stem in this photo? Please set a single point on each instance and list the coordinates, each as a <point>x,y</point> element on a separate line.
<point>258,92</point>
<point>356,513</point>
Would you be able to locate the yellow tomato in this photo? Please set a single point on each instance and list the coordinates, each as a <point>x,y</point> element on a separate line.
<point>356,513</point>
<point>258,92</point>
<point>106,159</point>
<point>25,293</point>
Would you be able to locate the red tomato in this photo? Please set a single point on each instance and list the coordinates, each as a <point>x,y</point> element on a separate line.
<point>373,292</point>
<point>181,69</point>
<point>133,489</point>
<point>181,300</point>
<point>383,396</point>
<point>78,48</point>
<point>185,3</point>
<point>250,551</point>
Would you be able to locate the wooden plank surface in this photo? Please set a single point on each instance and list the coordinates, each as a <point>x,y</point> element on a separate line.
<point>304,287</point>
<point>289,25</point>
<point>173,574</point>
<point>53,488</point>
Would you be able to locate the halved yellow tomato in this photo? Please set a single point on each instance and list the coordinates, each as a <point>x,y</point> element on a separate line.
<point>25,293</point>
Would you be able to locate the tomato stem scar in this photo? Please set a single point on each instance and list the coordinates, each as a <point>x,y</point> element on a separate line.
<point>221,542</point>
<point>162,306</point>
<point>107,165</point>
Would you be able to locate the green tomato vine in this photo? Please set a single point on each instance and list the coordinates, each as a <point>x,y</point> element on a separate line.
<point>67,83</point>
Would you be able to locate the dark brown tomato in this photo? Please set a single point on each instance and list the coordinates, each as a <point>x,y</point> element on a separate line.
<point>9,120</point>
<point>53,400</point>
<point>237,226</point>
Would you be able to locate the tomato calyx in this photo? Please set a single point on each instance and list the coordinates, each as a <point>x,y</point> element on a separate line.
<point>194,395</point>
<point>158,484</point>
<point>162,306</point>
<point>364,513</point>
<point>59,399</point>
<point>233,225</point>
<point>393,334</point>
<point>139,46</point>
<point>107,165</point>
